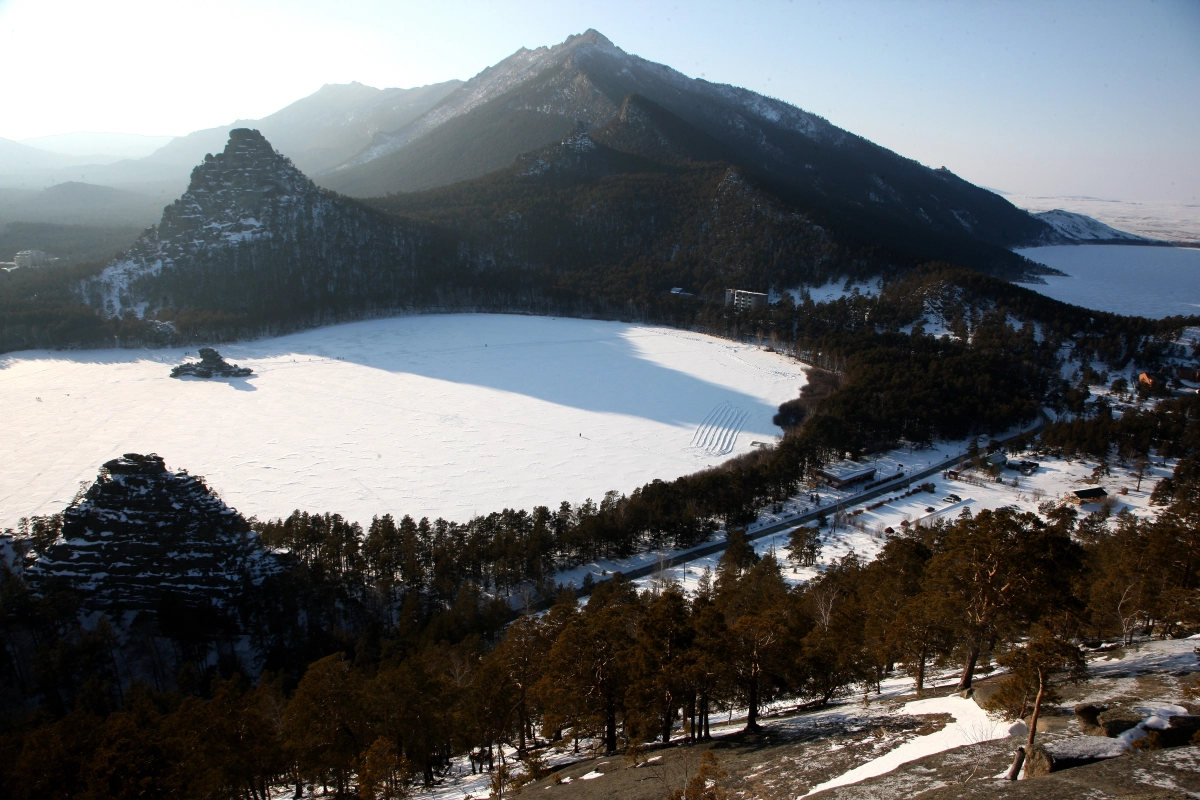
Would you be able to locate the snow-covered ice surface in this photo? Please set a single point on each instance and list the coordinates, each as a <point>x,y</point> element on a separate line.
<point>447,415</point>
<point>1150,282</point>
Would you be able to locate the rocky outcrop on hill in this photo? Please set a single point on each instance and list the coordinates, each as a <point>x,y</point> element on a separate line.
<point>142,532</point>
<point>253,236</point>
<point>210,365</point>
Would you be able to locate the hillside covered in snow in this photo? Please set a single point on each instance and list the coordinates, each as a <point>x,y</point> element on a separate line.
<point>1082,228</point>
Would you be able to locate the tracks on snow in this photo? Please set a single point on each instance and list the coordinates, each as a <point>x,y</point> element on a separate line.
<point>717,433</point>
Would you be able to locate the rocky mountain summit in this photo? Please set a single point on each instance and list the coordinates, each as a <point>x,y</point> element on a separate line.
<point>252,234</point>
<point>142,532</point>
<point>210,365</point>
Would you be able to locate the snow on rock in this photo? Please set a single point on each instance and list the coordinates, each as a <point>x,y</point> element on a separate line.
<point>971,725</point>
<point>230,200</point>
<point>440,415</point>
<point>1086,747</point>
<point>141,530</point>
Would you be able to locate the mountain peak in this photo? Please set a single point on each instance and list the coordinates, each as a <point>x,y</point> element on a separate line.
<point>590,36</point>
<point>248,140</point>
<point>249,224</point>
<point>234,197</point>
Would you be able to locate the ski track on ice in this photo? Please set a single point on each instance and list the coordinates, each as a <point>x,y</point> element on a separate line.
<point>717,434</point>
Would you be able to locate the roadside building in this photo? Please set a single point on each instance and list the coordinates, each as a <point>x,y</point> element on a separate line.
<point>841,474</point>
<point>1189,374</point>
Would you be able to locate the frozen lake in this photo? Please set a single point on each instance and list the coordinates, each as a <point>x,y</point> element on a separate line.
<point>430,416</point>
<point>1151,282</point>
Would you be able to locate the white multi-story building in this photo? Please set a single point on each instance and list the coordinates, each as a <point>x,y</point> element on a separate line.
<point>30,258</point>
<point>742,300</point>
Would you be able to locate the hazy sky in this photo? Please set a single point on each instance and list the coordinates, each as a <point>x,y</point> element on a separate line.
<point>1083,98</point>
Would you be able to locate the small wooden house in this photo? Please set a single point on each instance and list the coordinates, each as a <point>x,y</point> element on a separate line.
<point>1093,495</point>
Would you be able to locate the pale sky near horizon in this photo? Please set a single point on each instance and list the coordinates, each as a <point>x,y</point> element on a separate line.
<point>1059,97</point>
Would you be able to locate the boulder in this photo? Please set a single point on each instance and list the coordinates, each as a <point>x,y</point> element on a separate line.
<point>982,693</point>
<point>1045,722</point>
<point>1066,753</point>
<point>1116,721</point>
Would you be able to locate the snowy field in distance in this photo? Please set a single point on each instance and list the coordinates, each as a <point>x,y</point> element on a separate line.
<point>1170,222</point>
<point>1150,282</point>
<point>429,415</point>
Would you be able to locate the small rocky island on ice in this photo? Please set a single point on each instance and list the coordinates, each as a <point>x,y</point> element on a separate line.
<point>210,365</point>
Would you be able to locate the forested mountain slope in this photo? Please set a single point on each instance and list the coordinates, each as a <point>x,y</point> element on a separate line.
<point>650,193</point>
<point>534,98</point>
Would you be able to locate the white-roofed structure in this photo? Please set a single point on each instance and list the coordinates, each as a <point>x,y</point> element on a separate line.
<point>841,474</point>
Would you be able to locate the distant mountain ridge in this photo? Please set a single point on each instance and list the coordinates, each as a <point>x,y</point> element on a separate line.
<point>318,132</point>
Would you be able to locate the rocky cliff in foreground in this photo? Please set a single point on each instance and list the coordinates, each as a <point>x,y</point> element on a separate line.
<point>142,532</point>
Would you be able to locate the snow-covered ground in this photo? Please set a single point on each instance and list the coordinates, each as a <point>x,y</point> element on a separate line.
<point>865,532</point>
<point>834,290</point>
<point>429,415</point>
<point>1081,227</point>
<point>971,725</point>
<point>1150,282</point>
